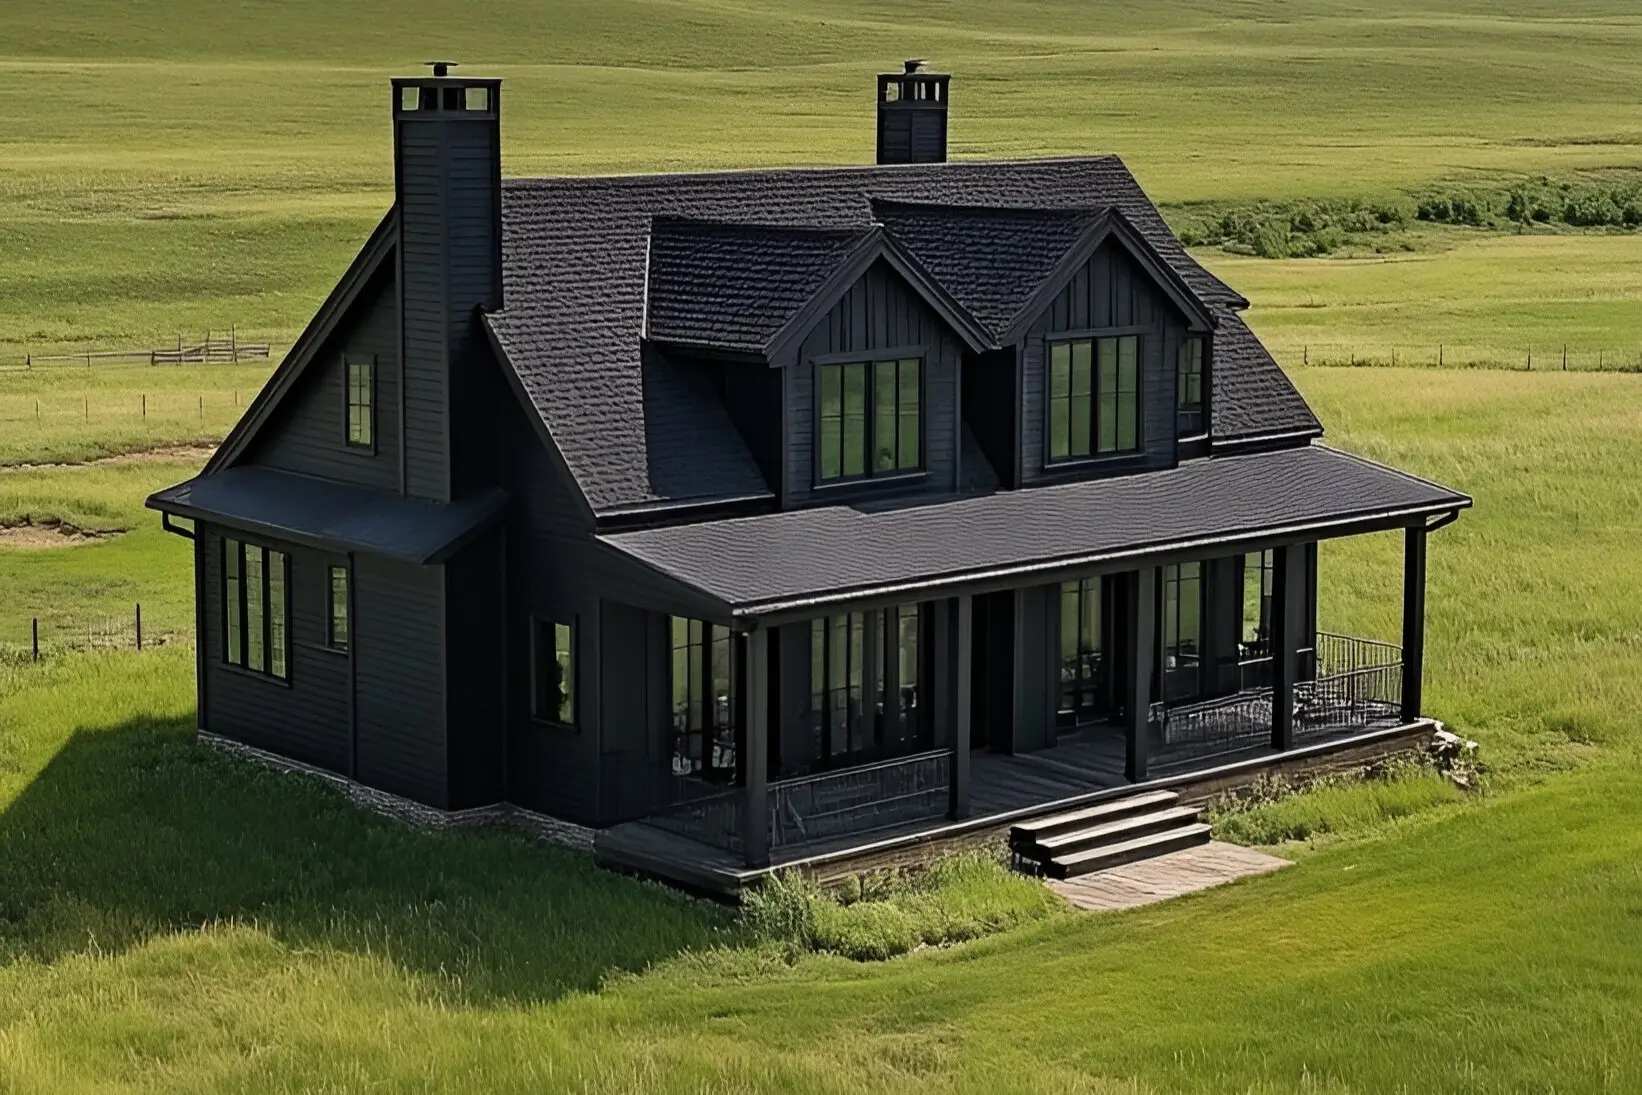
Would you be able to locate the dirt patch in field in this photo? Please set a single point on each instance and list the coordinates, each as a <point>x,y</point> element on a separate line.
<point>165,454</point>
<point>51,534</point>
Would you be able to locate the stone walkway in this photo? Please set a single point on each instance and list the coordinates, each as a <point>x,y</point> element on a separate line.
<point>1172,875</point>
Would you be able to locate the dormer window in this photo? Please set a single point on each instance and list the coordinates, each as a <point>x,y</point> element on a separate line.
<point>1094,397</point>
<point>869,420</point>
<point>1189,388</point>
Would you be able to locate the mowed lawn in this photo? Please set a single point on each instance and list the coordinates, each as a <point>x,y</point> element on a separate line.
<point>174,920</point>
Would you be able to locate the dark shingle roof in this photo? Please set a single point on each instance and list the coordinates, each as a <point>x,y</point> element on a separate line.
<point>769,563</point>
<point>576,260</point>
<point>733,286</point>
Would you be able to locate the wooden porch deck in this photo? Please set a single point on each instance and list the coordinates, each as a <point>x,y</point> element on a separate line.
<point>1080,769</point>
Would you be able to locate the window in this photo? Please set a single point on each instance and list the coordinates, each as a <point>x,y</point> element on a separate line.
<point>852,715</point>
<point>1182,629</point>
<point>1189,388</point>
<point>552,671</point>
<point>1256,635</point>
<point>337,634</point>
<point>1094,397</point>
<point>255,607</point>
<point>868,419</point>
<point>361,403</point>
<point>706,690</point>
<point>1083,670</point>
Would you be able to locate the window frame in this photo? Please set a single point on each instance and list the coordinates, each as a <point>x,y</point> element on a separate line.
<point>1195,413</point>
<point>1089,691</point>
<point>235,610</point>
<point>870,362</point>
<point>1173,575</point>
<point>349,363</point>
<point>567,674</point>
<point>1093,339</point>
<point>882,715</point>
<point>716,738</point>
<point>331,572</point>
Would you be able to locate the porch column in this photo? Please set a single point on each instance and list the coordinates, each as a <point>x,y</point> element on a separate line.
<point>958,806</point>
<point>1138,688</point>
<point>1287,596</point>
<point>755,822</point>
<point>1413,620</point>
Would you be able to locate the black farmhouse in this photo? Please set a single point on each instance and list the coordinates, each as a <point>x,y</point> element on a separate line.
<point>740,514</point>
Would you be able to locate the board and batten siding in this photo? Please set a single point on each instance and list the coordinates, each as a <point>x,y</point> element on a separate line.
<point>309,433</point>
<point>1110,290</point>
<point>878,313</point>
<point>304,717</point>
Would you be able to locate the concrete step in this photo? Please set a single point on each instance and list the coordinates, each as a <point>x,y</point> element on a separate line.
<point>1030,832</point>
<point>1112,832</point>
<point>1089,860</point>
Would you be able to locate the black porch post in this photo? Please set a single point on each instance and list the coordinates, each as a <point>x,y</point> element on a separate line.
<point>1413,620</point>
<point>1142,647</point>
<point>755,839</point>
<point>1287,595</point>
<point>964,670</point>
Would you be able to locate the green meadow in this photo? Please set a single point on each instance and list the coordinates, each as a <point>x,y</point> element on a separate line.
<point>172,919</point>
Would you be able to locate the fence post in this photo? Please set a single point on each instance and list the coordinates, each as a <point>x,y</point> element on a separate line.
<point>1564,357</point>
<point>1530,361</point>
<point>139,625</point>
<point>34,629</point>
<point>145,404</point>
<point>202,407</point>
<point>1305,355</point>
<point>1439,355</point>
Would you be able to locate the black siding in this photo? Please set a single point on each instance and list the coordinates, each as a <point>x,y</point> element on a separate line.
<point>398,638</point>
<point>474,612</point>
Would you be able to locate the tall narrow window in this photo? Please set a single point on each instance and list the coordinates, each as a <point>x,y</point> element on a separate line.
<point>1189,388</point>
<point>868,420</point>
<point>552,671</point>
<point>866,676</point>
<point>337,636</point>
<point>1257,603</point>
<point>361,403</point>
<point>255,608</point>
<point>706,699</point>
<point>1094,397</point>
<point>1182,630</point>
<point>1083,669</point>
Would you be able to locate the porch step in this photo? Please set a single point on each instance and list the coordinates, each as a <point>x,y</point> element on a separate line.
<point>1031,833</point>
<point>1114,832</point>
<point>1129,851</point>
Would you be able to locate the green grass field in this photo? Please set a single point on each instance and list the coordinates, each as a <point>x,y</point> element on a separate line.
<point>174,920</point>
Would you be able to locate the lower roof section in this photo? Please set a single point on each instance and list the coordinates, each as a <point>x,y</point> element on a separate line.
<point>799,562</point>
<point>331,516</point>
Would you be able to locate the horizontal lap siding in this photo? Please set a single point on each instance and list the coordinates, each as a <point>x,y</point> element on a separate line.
<point>475,653</point>
<point>398,645</point>
<point>309,433</point>
<point>304,717</point>
<point>423,236</point>
<point>1109,291</point>
<point>878,313</point>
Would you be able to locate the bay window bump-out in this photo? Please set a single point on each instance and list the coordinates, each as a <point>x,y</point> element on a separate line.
<point>1094,397</point>
<point>256,608</point>
<point>869,418</point>
<point>553,670</point>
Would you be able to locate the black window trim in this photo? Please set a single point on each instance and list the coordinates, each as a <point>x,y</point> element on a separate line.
<point>711,729</point>
<point>346,645</point>
<point>1204,366</point>
<point>1137,455</point>
<point>348,361</point>
<point>571,621</point>
<point>870,358</point>
<point>224,539</point>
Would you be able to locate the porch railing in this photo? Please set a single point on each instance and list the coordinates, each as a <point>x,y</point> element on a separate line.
<point>858,800</point>
<point>712,818</point>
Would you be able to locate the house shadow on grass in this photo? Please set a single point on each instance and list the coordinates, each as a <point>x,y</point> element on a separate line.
<point>137,830</point>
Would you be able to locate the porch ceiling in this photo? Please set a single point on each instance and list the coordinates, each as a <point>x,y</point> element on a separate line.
<point>802,561</point>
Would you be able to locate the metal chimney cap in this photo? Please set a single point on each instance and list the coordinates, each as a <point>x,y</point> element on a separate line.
<point>913,64</point>
<point>441,68</point>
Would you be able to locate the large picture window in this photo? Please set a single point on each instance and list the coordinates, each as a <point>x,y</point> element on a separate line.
<point>361,403</point>
<point>1094,397</point>
<point>706,690</point>
<point>255,608</point>
<point>1189,388</point>
<point>869,420</point>
<point>1182,630</point>
<point>553,671</point>
<point>866,673</point>
<point>1083,664</point>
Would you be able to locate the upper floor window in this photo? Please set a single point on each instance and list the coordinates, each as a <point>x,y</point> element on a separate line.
<point>1094,397</point>
<point>552,671</point>
<point>705,688</point>
<point>255,608</point>
<point>361,403</point>
<point>1189,388</point>
<point>869,418</point>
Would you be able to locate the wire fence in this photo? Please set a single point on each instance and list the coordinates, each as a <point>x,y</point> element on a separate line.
<point>57,408</point>
<point>1548,358</point>
<point>36,638</point>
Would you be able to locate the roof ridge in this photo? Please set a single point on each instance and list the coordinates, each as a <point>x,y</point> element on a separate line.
<point>1087,212</point>
<point>636,177</point>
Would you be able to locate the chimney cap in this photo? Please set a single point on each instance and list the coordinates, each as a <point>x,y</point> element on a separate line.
<point>913,64</point>
<point>441,68</point>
